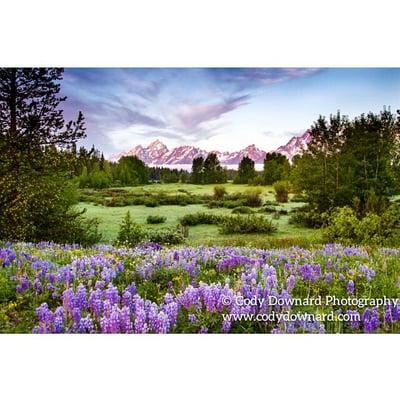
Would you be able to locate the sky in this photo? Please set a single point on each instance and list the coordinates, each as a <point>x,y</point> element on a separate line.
<point>222,109</point>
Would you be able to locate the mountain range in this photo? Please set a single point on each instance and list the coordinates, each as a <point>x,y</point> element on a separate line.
<point>157,153</point>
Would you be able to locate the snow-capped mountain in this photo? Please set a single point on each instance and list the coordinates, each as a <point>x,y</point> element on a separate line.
<point>156,153</point>
<point>295,145</point>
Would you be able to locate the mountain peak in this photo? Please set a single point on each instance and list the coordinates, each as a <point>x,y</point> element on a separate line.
<point>157,144</point>
<point>157,153</point>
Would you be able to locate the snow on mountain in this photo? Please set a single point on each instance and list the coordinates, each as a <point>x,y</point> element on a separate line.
<point>181,155</point>
<point>295,145</point>
<point>156,153</point>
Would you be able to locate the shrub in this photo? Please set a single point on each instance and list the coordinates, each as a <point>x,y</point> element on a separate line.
<point>225,203</point>
<point>242,210</point>
<point>298,198</point>
<point>376,229</point>
<point>84,231</point>
<point>270,203</point>
<point>219,192</point>
<point>246,224</point>
<point>200,218</point>
<point>253,198</point>
<point>268,209</point>
<point>309,218</point>
<point>165,236</point>
<point>256,181</point>
<point>343,226</point>
<point>130,233</point>
<point>282,191</point>
<point>155,219</point>
<point>151,202</point>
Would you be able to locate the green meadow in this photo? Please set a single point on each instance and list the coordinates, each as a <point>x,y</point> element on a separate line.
<point>110,217</point>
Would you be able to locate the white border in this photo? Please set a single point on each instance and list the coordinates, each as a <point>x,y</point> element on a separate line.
<point>255,33</point>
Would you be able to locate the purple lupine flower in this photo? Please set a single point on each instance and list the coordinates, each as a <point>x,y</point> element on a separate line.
<point>226,326</point>
<point>160,323</point>
<point>86,325</point>
<point>76,315</point>
<point>81,301</point>
<point>290,283</point>
<point>7,256</point>
<point>59,320</point>
<point>371,320</point>
<point>111,294</point>
<point>350,287</point>
<point>192,318</point>
<point>68,299</point>
<point>355,319</point>
<point>125,320</point>
<point>328,277</point>
<point>96,302</point>
<point>369,273</point>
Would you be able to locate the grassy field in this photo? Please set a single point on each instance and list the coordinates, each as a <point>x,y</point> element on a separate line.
<point>111,217</point>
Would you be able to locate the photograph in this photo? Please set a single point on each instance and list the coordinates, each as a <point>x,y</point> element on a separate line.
<point>199,200</point>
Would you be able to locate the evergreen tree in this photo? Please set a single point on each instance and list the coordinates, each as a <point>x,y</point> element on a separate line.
<point>276,168</point>
<point>212,170</point>
<point>131,170</point>
<point>197,170</point>
<point>246,171</point>
<point>35,197</point>
<point>346,160</point>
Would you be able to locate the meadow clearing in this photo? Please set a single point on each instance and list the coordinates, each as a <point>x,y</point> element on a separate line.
<point>111,217</point>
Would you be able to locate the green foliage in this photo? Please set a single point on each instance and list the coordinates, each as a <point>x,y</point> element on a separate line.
<point>155,219</point>
<point>309,218</point>
<point>242,210</point>
<point>276,168</point>
<point>253,198</point>
<point>212,170</point>
<point>219,192</point>
<point>246,171</point>
<point>246,224</point>
<point>376,229</point>
<point>166,236</point>
<point>258,180</point>
<point>200,218</point>
<point>298,198</point>
<point>130,170</point>
<point>197,170</point>
<point>282,191</point>
<point>348,159</point>
<point>151,202</point>
<point>36,195</point>
<point>130,233</point>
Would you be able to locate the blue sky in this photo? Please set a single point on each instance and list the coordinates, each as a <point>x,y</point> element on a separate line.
<point>218,108</point>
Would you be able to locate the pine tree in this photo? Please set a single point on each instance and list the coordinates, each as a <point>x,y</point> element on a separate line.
<point>34,196</point>
<point>197,170</point>
<point>246,171</point>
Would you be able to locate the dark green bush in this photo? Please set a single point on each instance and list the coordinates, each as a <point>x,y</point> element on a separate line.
<point>200,218</point>
<point>282,191</point>
<point>376,229</point>
<point>268,209</point>
<point>247,224</point>
<point>151,202</point>
<point>155,219</point>
<point>225,203</point>
<point>242,210</point>
<point>165,236</point>
<point>298,198</point>
<point>253,198</point>
<point>130,233</point>
<point>219,192</point>
<point>308,218</point>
